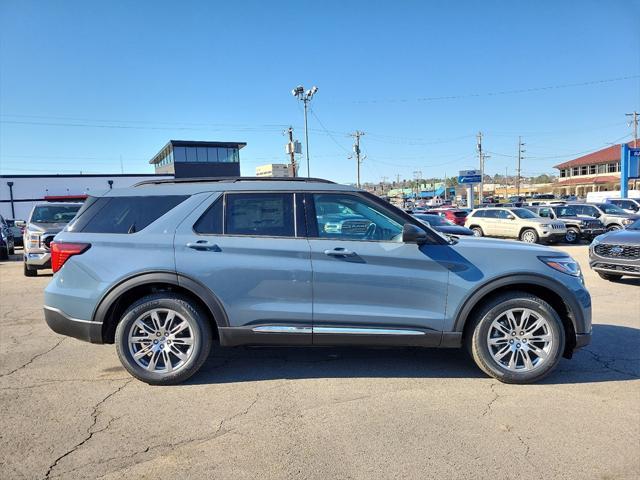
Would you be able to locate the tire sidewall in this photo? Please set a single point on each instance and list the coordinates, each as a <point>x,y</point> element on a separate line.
<point>199,326</point>
<point>477,232</point>
<point>576,234</point>
<point>480,349</point>
<point>535,235</point>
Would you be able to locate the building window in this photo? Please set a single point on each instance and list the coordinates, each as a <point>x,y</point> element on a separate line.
<point>602,168</point>
<point>613,167</point>
<point>179,154</point>
<point>192,156</point>
<point>563,173</point>
<point>583,170</point>
<point>592,169</point>
<point>575,171</point>
<point>212,155</point>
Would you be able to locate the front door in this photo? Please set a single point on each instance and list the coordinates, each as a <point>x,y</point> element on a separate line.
<point>368,285</point>
<point>247,249</point>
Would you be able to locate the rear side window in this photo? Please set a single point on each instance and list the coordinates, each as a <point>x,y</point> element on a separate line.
<point>259,214</point>
<point>124,214</point>
<point>211,222</point>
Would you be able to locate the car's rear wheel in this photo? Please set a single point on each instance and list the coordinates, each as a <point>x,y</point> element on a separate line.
<point>612,277</point>
<point>477,231</point>
<point>163,339</point>
<point>613,227</point>
<point>529,236</point>
<point>572,235</point>
<point>516,338</point>
<point>29,271</point>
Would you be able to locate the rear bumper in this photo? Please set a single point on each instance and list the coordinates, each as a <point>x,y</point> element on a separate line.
<point>63,324</point>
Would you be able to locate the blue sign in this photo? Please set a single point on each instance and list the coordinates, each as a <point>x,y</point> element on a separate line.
<point>633,166</point>
<point>469,179</point>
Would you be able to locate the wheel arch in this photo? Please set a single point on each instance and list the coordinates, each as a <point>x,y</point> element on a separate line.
<point>554,293</point>
<point>118,298</point>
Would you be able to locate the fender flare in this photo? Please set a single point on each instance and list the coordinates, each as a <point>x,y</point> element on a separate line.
<point>576,315</point>
<point>204,294</point>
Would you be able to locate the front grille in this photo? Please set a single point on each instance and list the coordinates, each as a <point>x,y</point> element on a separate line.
<point>595,224</point>
<point>355,226</point>
<point>46,241</point>
<point>618,268</point>
<point>555,226</point>
<point>618,251</point>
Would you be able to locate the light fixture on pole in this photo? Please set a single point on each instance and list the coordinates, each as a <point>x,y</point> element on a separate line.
<point>305,97</point>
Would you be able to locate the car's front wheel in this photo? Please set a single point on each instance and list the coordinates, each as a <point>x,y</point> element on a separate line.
<point>572,235</point>
<point>29,271</point>
<point>477,231</point>
<point>613,228</point>
<point>163,339</point>
<point>516,338</point>
<point>529,236</point>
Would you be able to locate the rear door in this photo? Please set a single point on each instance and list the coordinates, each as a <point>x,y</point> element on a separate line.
<point>249,250</point>
<point>365,277</point>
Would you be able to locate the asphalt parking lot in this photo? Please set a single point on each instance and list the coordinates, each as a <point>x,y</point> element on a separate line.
<point>69,410</point>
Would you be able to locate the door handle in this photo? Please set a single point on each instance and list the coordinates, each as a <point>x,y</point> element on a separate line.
<point>340,252</point>
<point>204,245</point>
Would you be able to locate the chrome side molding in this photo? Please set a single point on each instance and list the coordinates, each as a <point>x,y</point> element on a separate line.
<point>281,329</point>
<point>335,330</point>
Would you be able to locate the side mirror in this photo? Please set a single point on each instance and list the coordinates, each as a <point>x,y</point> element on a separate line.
<point>20,223</point>
<point>511,217</point>
<point>413,234</point>
<point>597,215</point>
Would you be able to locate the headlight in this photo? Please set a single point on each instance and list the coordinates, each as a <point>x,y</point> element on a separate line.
<point>627,221</point>
<point>563,264</point>
<point>545,225</point>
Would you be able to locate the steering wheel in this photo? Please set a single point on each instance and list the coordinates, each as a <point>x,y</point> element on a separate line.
<point>371,231</point>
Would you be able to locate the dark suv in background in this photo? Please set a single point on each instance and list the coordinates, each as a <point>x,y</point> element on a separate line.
<point>577,226</point>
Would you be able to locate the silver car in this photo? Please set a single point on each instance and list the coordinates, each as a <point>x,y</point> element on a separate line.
<point>168,269</point>
<point>617,253</point>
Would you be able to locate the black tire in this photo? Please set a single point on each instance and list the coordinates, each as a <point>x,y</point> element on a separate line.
<point>477,231</point>
<point>478,330</point>
<point>529,233</point>
<point>28,271</point>
<point>613,227</point>
<point>4,254</point>
<point>572,236</point>
<point>198,322</point>
<point>612,277</point>
<point>13,250</point>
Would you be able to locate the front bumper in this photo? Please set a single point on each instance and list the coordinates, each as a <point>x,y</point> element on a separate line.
<point>592,232</point>
<point>609,265</point>
<point>63,324</point>
<point>38,259</point>
<point>552,235</point>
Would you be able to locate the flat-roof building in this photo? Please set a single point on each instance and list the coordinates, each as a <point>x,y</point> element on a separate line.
<point>190,159</point>
<point>594,172</point>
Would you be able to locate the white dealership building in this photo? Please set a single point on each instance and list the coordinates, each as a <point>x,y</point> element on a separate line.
<point>19,193</point>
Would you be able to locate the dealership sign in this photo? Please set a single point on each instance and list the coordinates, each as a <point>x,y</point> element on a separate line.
<point>469,177</point>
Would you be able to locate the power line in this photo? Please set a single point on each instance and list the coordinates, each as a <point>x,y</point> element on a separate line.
<point>503,92</point>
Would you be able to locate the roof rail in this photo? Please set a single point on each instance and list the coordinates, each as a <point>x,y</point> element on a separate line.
<point>232,180</point>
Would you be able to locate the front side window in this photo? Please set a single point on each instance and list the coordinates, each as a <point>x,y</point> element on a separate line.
<point>260,214</point>
<point>545,212</point>
<point>523,213</point>
<point>611,209</point>
<point>349,217</point>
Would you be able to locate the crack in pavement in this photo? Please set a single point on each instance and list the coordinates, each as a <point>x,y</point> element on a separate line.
<point>607,363</point>
<point>35,357</point>
<point>45,383</point>
<point>90,432</point>
<point>489,406</point>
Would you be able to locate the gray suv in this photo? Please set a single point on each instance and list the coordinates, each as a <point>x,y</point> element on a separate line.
<point>167,269</point>
<point>611,216</point>
<point>577,227</point>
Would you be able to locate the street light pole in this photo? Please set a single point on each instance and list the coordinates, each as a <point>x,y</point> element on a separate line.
<point>305,97</point>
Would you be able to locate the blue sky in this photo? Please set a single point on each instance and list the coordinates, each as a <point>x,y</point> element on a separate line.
<point>90,86</point>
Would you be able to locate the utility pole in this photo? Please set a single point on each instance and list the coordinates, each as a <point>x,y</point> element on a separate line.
<point>418,175</point>
<point>291,150</point>
<point>481,159</point>
<point>445,186</point>
<point>356,151</point>
<point>520,152</point>
<point>506,183</point>
<point>635,127</point>
<point>305,98</point>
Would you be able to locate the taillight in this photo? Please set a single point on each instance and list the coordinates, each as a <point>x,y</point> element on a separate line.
<point>63,251</point>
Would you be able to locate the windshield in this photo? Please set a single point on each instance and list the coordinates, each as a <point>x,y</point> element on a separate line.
<point>54,213</point>
<point>612,209</point>
<point>634,226</point>
<point>566,212</point>
<point>524,213</point>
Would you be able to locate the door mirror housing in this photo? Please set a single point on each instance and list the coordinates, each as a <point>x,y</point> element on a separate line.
<point>511,217</point>
<point>413,234</point>
<point>20,223</point>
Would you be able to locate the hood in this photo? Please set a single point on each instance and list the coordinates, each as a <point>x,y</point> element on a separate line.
<point>496,245</point>
<point>629,215</point>
<point>623,237</point>
<point>46,227</point>
<point>579,219</point>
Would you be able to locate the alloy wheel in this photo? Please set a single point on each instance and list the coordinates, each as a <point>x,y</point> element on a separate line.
<point>529,237</point>
<point>161,340</point>
<point>520,340</point>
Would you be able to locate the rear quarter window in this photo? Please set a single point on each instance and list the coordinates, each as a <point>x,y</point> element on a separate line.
<point>123,214</point>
